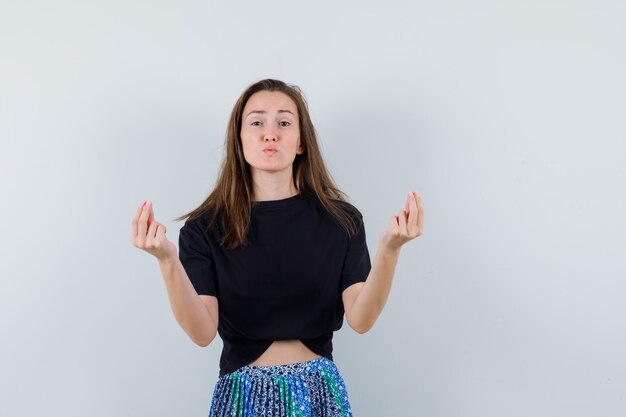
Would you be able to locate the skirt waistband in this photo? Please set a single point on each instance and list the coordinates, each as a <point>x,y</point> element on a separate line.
<point>314,365</point>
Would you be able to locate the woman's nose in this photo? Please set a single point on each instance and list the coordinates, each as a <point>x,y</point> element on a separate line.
<point>270,135</point>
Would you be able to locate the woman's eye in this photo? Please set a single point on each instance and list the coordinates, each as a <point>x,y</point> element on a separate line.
<point>288,123</point>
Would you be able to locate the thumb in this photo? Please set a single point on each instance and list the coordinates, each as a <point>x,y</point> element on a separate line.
<point>151,216</point>
<point>393,221</point>
<point>161,230</point>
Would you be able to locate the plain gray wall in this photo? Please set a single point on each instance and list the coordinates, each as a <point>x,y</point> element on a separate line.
<point>507,116</point>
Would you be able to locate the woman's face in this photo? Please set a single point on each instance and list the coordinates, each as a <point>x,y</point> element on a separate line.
<point>270,120</point>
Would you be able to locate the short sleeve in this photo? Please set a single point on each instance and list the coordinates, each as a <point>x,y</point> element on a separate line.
<point>357,264</point>
<point>195,254</point>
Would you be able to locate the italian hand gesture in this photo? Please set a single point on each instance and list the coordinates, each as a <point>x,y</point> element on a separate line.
<point>406,225</point>
<point>149,235</point>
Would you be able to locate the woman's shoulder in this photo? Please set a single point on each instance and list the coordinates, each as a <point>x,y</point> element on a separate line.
<point>349,208</point>
<point>202,222</point>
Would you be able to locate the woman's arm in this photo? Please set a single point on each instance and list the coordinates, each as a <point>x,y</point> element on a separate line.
<point>198,317</point>
<point>191,313</point>
<point>363,305</point>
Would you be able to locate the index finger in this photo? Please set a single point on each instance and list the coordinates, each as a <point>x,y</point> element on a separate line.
<point>413,210</point>
<point>134,222</point>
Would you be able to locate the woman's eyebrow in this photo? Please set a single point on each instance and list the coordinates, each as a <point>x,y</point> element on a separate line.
<point>263,111</point>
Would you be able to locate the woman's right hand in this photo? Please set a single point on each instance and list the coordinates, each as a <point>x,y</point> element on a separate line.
<point>149,235</point>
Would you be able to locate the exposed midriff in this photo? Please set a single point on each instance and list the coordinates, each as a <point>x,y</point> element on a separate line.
<point>283,352</point>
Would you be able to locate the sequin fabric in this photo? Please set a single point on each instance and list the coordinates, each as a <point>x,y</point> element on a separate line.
<point>305,389</point>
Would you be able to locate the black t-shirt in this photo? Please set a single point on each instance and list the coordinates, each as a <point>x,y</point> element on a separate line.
<point>285,284</point>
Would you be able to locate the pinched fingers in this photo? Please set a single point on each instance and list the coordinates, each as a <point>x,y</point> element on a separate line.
<point>154,227</point>
<point>140,225</point>
<point>420,214</point>
<point>407,224</point>
<point>135,222</point>
<point>414,203</point>
<point>401,222</point>
<point>143,221</point>
<point>151,235</point>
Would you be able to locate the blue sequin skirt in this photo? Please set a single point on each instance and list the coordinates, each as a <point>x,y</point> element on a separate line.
<point>305,389</point>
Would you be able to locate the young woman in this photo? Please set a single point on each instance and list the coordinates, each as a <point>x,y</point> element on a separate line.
<point>272,260</point>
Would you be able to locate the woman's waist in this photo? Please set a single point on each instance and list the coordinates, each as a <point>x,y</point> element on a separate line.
<point>283,352</point>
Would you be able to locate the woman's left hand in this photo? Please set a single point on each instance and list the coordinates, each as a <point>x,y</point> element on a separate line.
<point>406,225</point>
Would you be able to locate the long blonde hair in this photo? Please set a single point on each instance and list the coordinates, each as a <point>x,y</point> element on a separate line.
<point>230,201</point>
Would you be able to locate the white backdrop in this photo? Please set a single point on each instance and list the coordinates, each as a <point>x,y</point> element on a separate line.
<point>507,116</point>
